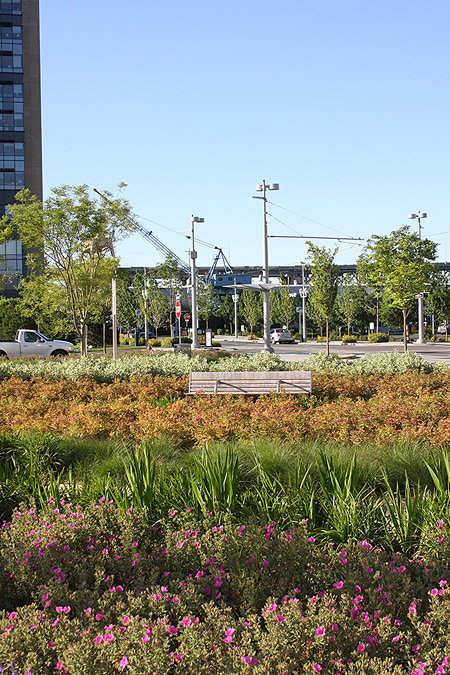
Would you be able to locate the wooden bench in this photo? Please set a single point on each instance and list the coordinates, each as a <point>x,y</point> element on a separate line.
<point>249,382</point>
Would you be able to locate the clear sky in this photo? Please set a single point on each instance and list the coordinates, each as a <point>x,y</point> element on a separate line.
<point>344,103</point>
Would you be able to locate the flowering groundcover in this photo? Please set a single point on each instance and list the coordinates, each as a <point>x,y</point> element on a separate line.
<point>95,590</point>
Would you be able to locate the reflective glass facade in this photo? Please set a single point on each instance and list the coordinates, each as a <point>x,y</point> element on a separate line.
<point>20,117</point>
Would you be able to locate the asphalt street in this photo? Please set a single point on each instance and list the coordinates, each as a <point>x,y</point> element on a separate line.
<point>431,351</point>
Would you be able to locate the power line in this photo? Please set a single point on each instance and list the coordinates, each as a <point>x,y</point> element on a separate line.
<point>311,220</point>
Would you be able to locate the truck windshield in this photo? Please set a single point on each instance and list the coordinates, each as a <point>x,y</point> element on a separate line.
<point>43,337</point>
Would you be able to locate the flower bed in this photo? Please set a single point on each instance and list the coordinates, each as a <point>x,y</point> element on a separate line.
<point>352,409</point>
<point>96,591</point>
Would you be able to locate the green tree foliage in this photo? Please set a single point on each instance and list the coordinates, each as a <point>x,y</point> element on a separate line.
<point>402,263</point>
<point>11,318</point>
<point>389,315</point>
<point>126,301</point>
<point>226,310</point>
<point>438,302</point>
<point>173,279</point>
<point>352,302</point>
<point>45,303</point>
<point>151,299</point>
<point>282,305</point>
<point>323,285</point>
<point>208,301</point>
<point>71,238</point>
<point>250,308</point>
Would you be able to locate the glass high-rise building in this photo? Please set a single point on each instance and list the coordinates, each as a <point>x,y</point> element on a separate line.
<point>20,118</point>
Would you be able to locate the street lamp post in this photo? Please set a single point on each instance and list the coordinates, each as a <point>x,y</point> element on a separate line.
<point>265,270</point>
<point>194,219</point>
<point>420,339</point>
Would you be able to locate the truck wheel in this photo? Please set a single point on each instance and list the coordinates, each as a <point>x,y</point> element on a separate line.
<point>3,355</point>
<point>59,352</point>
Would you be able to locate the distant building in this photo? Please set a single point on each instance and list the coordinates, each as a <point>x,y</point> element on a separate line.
<point>20,117</point>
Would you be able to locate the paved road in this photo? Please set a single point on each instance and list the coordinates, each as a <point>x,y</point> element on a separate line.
<point>431,351</point>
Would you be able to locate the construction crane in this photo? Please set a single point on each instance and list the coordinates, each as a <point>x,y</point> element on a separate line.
<point>147,234</point>
<point>226,265</point>
<point>162,248</point>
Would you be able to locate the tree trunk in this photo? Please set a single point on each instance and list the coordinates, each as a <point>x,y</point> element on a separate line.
<point>378,314</point>
<point>405,340</point>
<point>328,339</point>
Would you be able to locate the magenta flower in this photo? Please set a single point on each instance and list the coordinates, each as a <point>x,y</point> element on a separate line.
<point>338,584</point>
<point>281,618</point>
<point>320,631</point>
<point>123,662</point>
<point>316,667</point>
<point>361,648</point>
<point>98,639</point>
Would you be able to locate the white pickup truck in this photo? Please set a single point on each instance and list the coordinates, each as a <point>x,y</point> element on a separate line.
<point>32,343</point>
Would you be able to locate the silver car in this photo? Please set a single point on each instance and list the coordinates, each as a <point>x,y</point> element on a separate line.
<point>279,335</point>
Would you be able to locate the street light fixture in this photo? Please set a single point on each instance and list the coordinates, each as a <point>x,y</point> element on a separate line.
<point>421,339</point>
<point>265,270</point>
<point>195,345</point>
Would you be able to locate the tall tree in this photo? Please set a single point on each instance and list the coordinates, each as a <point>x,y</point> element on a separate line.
<point>71,237</point>
<point>438,302</point>
<point>323,285</point>
<point>250,308</point>
<point>173,279</point>
<point>151,299</point>
<point>226,310</point>
<point>403,263</point>
<point>126,301</point>
<point>351,300</point>
<point>208,301</point>
<point>283,308</point>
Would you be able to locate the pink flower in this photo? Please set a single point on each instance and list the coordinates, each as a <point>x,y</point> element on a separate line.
<point>281,618</point>
<point>123,662</point>
<point>98,639</point>
<point>145,638</point>
<point>109,637</point>
<point>59,665</point>
<point>316,668</point>
<point>320,631</point>
<point>360,648</point>
<point>272,607</point>
<point>338,584</point>
<point>173,630</point>
<point>249,660</point>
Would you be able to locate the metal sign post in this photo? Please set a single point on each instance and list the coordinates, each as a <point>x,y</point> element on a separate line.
<point>178,315</point>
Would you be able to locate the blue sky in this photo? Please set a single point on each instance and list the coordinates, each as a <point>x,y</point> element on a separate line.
<point>344,103</point>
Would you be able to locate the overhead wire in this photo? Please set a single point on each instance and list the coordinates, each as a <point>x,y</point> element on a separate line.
<point>300,215</point>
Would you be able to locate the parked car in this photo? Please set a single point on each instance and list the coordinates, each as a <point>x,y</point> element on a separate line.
<point>279,335</point>
<point>32,343</point>
<point>442,328</point>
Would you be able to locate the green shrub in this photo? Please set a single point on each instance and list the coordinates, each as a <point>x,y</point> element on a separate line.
<point>252,336</point>
<point>154,342</point>
<point>378,337</point>
<point>321,338</point>
<point>215,343</point>
<point>349,339</point>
